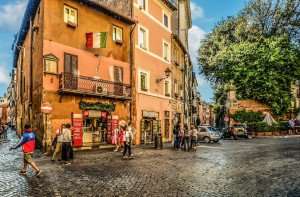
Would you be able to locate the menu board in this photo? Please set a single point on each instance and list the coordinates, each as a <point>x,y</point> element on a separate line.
<point>112,124</point>
<point>77,123</point>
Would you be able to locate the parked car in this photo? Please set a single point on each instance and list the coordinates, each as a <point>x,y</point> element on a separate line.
<point>239,130</point>
<point>208,134</point>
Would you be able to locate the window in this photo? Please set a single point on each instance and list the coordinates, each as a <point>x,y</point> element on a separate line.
<point>70,16</point>
<point>117,34</point>
<point>167,88</point>
<point>143,43</point>
<point>71,64</point>
<point>118,74</point>
<point>51,64</point>
<point>176,55</point>
<point>175,88</point>
<point>142,4</point>
<point>144,81</point>
<point>166,20</point>
<point>166,51</point>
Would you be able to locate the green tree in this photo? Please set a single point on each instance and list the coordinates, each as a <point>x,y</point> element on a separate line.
<point>259,56</point>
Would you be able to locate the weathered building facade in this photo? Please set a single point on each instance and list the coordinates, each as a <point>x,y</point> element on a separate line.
<point>75,60</point>
<point>92,63</point>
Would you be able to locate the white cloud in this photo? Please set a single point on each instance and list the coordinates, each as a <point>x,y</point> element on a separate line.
<point>11,14</point>
<point>4,78</point>
<point>197,11</point>
<point>196,34</point>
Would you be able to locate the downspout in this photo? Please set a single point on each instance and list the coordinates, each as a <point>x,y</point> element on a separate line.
<point>132,62</point>
<point>31,68</point>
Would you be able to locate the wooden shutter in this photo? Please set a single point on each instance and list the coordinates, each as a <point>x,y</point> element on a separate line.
<point>74,66</point>
<point>118,74</point>
<point>67,63</point>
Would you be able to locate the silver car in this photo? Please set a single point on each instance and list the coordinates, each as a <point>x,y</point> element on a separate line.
<point>208,134</point>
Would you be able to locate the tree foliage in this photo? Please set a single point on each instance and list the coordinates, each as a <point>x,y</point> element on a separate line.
<point>258,51</point>
<point>247,116</point>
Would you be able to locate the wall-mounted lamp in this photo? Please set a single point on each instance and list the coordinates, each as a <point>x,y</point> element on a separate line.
<point>167,75</point>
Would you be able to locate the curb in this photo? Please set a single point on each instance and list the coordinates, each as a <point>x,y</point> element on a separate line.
<point>278,137</point>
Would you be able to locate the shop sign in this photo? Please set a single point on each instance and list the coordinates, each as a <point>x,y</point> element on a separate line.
<point>150,114</point>
<point>94,114</point>
<point>77,122</point>
<point>46,108</point>
<point>106,107</point>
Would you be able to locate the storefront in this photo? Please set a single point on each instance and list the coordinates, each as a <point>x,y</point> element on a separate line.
<point>150,126</point>
<point>98,123</point>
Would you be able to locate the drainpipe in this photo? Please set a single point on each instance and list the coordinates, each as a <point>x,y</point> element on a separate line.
<point>31,70</point>
<point>132,62</point>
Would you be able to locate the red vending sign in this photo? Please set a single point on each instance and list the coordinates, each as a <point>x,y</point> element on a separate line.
<point>77,122</point>
<point>112,124</point>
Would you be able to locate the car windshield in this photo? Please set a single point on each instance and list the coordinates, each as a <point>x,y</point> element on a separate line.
<point>211,129</point>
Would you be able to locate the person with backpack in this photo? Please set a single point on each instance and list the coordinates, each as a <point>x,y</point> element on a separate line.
<point>127,142</point>
<point>27,142</point>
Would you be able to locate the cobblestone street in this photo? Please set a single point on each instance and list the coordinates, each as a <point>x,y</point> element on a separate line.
<point>258,167</point>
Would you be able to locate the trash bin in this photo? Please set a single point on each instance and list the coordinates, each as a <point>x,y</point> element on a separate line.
<point>158,142</point>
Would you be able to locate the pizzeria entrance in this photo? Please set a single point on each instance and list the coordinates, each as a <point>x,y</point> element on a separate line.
<point>98,127</point>
<point>150,126</point>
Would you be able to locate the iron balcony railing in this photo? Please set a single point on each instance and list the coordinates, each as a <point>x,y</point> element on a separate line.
<point>70,83</point>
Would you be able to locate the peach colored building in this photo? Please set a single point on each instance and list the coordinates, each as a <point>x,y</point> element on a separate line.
<point>74,56</point>
<point>159,79</point>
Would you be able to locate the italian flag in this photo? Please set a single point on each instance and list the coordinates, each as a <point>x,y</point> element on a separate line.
<point>96,40</point>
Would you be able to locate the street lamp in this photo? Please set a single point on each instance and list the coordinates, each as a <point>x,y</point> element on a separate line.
<point>167,75</point>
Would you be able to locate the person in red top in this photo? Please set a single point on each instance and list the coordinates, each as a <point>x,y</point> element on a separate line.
<point>28,145</point>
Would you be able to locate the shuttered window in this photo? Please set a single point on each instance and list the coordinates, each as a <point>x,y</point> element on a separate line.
<point>118,74</point>
<point>70,15</point>
<point>71,64</point>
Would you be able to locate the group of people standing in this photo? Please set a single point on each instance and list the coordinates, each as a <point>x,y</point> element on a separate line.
<point>123,138</point>
<point>62,144</point>
<point>3,131</point>
<point>184,137</point>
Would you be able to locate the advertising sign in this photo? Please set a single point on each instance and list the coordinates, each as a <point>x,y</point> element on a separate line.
<point>77,123</point>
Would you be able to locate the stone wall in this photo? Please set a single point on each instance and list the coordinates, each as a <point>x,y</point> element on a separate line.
<point>249,105</point>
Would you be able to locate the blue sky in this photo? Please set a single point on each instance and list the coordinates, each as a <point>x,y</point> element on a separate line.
<point>206,13</point>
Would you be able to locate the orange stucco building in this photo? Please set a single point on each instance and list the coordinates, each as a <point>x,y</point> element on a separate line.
<point>75,59</point>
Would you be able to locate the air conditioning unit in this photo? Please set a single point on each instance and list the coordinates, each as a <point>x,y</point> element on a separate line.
<point>100,89</point>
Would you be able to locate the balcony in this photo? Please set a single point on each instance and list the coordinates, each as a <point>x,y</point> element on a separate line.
<point>83,85</point>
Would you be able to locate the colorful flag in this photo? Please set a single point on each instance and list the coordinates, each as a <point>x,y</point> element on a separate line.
<point>96,40</point>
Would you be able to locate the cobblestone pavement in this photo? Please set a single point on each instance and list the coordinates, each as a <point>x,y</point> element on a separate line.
<point>258,167</point>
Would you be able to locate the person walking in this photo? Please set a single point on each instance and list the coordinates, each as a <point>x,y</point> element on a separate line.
<point>66,139</point>
<point>181,137</point>
<point>193,136</point>
<point>128,142</point>
<point>121,134</point>
<point>27,142</point>
<point>57,144</point>
<point>132,129</point>
<point>291,126</point>
<point>186,138</point>
<point>176,136</point>
<point>115,139</point>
